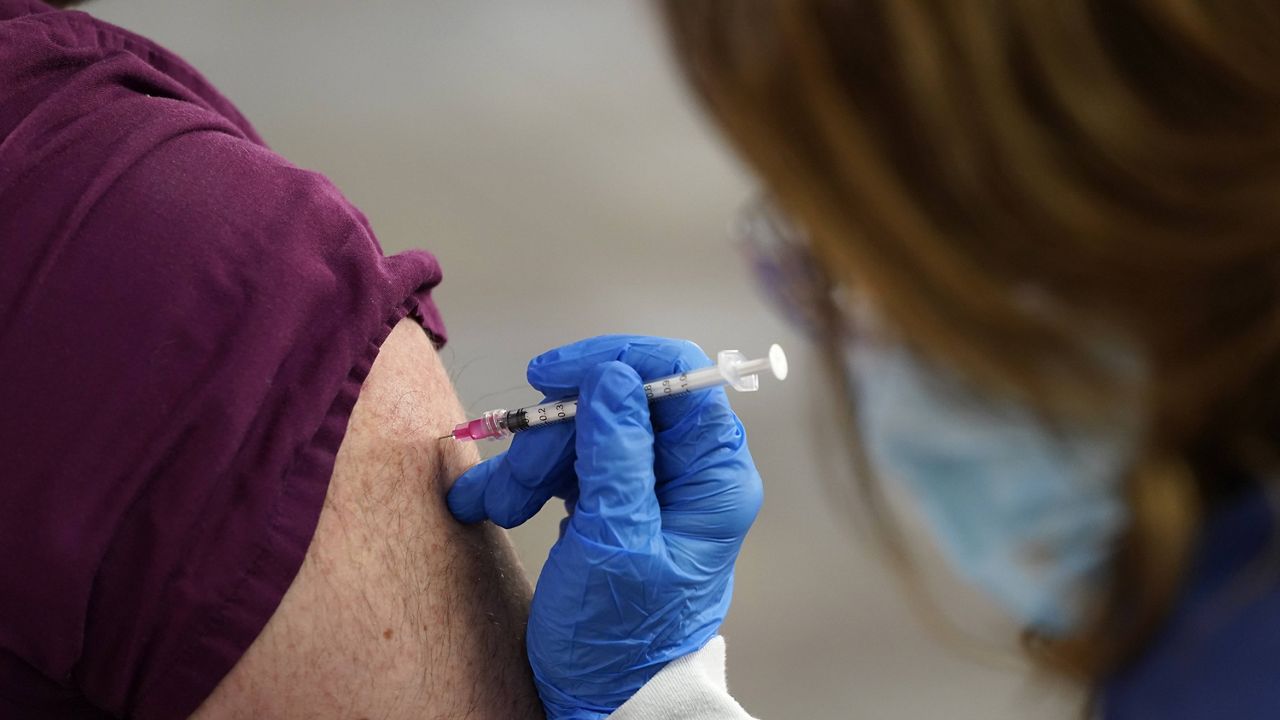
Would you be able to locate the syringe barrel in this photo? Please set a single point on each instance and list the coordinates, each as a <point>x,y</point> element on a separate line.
<point>547,413</point>
<point>555,411</point>
<point>732,368</point>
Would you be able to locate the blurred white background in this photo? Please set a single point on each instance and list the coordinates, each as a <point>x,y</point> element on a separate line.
<point>549,156</point>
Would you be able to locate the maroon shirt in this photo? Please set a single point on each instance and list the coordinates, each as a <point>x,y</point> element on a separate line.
<point>185,321</point>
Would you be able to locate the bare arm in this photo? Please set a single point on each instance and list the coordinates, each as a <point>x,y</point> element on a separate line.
<point>398,611</point>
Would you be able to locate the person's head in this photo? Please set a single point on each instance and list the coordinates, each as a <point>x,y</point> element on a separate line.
<point>1025,190</point>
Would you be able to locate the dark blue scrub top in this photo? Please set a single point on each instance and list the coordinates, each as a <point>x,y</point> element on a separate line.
<point>1219,656</point>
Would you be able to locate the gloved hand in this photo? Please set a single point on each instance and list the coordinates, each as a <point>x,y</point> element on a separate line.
<point>658,507</point>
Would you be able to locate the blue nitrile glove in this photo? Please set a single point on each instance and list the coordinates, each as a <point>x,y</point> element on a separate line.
<point>658,506</point>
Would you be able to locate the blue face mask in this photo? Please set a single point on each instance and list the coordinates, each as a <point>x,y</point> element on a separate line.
<point>1027,515</point>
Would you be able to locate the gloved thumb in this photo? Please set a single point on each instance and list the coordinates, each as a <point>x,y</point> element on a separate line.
<point>616,504</point>
<point>510,488</point>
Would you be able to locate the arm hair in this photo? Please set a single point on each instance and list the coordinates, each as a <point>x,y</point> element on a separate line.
<point>398,611</point>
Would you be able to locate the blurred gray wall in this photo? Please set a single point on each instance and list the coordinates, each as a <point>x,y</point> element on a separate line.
<point>546,152</point>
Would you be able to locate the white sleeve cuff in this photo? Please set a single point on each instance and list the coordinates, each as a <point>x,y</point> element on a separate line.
<point>689,688</point>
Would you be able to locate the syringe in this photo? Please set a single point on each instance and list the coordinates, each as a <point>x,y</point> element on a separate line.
<point>732,368</point>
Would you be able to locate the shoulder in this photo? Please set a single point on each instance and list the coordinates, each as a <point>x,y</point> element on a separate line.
<point>1220,654</point>
<point>420,615</point>
<point>84,104</point>
<point>187,321</point>
<point>57,62</point>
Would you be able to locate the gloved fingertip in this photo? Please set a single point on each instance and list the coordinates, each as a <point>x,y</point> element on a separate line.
<point>616,387</point>
<point>558,373</point>
<point>546,373</point>
<point>507,511</point>
<point>466,498</point>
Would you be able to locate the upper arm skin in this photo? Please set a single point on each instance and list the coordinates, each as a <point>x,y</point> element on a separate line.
<point>398,611</point>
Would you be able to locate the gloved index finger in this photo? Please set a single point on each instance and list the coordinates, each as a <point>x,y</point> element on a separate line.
<point>559,373</point>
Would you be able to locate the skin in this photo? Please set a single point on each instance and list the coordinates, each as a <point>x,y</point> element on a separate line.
<point>398,611</point>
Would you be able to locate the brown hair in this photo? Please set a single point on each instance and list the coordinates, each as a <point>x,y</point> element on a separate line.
<point>1011,181</point>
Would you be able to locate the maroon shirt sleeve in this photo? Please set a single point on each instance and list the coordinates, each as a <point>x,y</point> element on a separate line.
<point>185,322</point>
